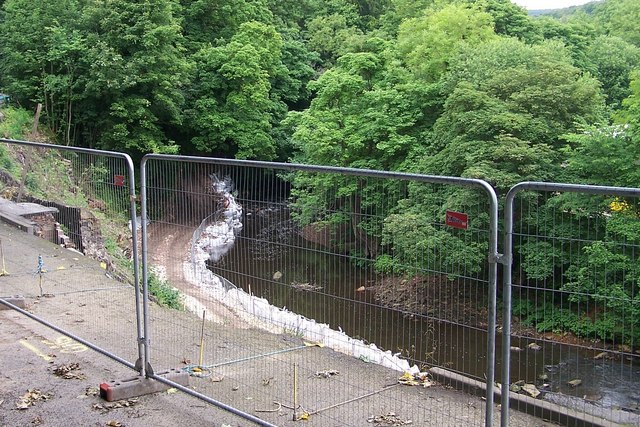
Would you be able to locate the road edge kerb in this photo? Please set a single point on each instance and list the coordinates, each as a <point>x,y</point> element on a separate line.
<point>535,407</point>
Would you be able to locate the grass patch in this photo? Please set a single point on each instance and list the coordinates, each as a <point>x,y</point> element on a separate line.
<point>164,294</point>
<point>16,124</point>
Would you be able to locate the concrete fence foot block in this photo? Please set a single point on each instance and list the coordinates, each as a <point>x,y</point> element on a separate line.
<point>17,301</point>
<point>140,386</point>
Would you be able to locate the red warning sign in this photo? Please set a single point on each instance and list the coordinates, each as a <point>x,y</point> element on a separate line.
<point>457,219</point>
<point>118,180</point>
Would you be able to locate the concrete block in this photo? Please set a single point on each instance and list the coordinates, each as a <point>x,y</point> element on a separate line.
<point>17,221</point>
<point>140,386</point>
<point>17,301</point>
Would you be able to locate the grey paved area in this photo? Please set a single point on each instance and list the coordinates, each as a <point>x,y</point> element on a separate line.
<point>246,368</point>
<point>24,208</point>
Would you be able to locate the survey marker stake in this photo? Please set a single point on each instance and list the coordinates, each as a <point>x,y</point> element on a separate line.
<point>4,271</point>
<point>295,390</point>
<point>202,339</point>
<point>40,271</point>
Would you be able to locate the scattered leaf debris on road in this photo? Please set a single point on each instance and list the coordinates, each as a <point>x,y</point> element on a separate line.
<point>69,371</point>
<point>106,407</point>
<point>389,419</point>
<point>31,397</point>
<point>421,378</point>
<point>326,374</point>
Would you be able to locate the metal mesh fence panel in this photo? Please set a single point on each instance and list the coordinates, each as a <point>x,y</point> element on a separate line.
<point>574,304</point>
<point>321,293</point>
<point>74,260</point>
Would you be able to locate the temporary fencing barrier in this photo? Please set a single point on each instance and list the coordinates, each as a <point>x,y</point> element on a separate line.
<point>571,319</point>
<point>89,204</point>
<point>317,255</point>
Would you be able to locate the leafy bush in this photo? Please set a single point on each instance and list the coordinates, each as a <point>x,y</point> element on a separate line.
<point>538,259</point>
<point>521,308</point>
<point>418,245</point>
<point>554,319</point>
<point>548,317</point>
<point>385,264</point>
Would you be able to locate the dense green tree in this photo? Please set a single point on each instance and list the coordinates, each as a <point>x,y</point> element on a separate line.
<point>289,85</point>
<point>399,10</point>
<point>290,13</point>
<point>211,21</point>
<point>590,8</point>
<point>428,43</point>
<point>630,114</point>
<point>295,71</point>
<point>329,30</point>
<point>509,19</point>
<point>372,8</point>
<point>63,84</point>
<point>405,9</point>
<point>611,61</point>
<point>42,56</point>
<point>363,114</point>
<point>532,93</point>
<point>346,8</point>
<point>620,18</point>
<point>576,34</point>
<point>230,99</point>
<point>603,155</point>
<point>329,36</point>
<point>136,79</point>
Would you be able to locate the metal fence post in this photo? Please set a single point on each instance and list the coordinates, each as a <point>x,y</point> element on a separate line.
<point>147,369</point>
<point>506,298</point>
<point>493,284</point>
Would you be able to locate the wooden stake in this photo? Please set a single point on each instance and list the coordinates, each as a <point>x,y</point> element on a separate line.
<point>36,120</point>
<point>295,390</point>
<point>202,338</point>
<point>4,271</point>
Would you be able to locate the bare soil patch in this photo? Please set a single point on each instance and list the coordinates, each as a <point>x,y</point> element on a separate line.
<point>434,296</point>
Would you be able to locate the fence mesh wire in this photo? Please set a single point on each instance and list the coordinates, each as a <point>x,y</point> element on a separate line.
<point>86,212</point>
<point>575,302</point>
<point>357,279</point>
